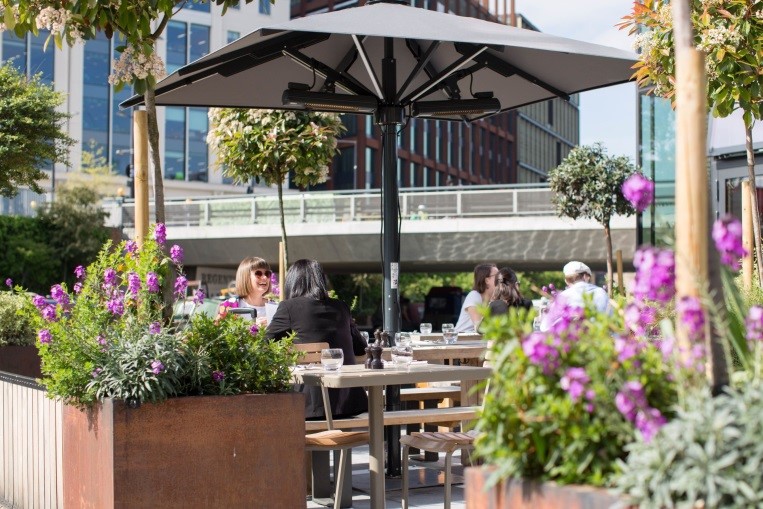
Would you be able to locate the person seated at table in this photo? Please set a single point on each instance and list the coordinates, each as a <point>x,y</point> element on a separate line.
<point>315,317</point>
<point>252,285</point>
<point>484,284</point>
<point>506,293</point>
<point>578,277</point>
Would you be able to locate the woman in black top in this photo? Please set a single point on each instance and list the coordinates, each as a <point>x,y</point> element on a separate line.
<point>506,293</point>
<point>315,318</point>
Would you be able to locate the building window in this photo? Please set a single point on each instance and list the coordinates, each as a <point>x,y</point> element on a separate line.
<point>186,155</point>
<point>265,7</point>
<point>197,6</point>
<point>27,54</point>
<point>370,166</point>
<point>550,112</point>
<point>233,36</point>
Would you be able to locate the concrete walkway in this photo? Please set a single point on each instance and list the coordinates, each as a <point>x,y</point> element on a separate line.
<point>427,490</point>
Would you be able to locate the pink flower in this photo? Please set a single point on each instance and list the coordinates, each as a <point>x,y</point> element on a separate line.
<point>152,282</point>
<point>626,348</point>
<point>690,311</point>
<point>157,367</point>
<point>176,254</point>
<point>253,330</point>
<point>109,277</point>
<point>49,314</point>
<point>77,287</point>
<point>181,283</point>
<point>160,233</point>
<point>198,297</point>
<point>39,302</point>
<point>155,328</point>
<point>131,246</point>
<point>639,191</point>
<point>539,352</point>
<point>218,376</point>
<point>754,325</point>
<point>574,382</point>
<point>648,422</point>
<point>655,274</point>
<point>79,271</point>
<point>9,282</point>
<point>44,336</point>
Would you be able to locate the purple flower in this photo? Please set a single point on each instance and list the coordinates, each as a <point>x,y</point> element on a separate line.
<point>152,282</point>
<point>198,297</point>
<point>79,271</point>
<point>253,330</point>
<point>218,376</point>
<point>274,289</point>
<point>101,340</point>
<point>110,277</point>
<point>44,336</point>
<point>655,274</point>
<point>639,191</point>
<point>39,302</point>
<point>626,348</point>
<point>155,328</point>
<point>574,382</point>
<point>692,316</point>
<point>157,367</point>
<point>116,305</point>
<point>539,352</point>
<point>565,318</point>
<point>77,287</point>
<point>96,372</point>
<point>630,399</point>
<point>648,422</point>
<point>176,254</point>
<point>160,233</point>
<point>639,317</point>
<point>727,234</point>
<point>49,313</point>
<point>229,304</point>
<point>131,246</point>
<point>133,283</point>
<point>9,282</point>
<point>590,407</point>
<point>754,325</point>
<point>58,293</point>
<point>181,283</point>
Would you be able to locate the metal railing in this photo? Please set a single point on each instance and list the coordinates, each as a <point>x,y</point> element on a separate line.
<point>332,207</point>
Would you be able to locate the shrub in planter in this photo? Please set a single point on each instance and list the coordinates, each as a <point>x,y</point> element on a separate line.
<point>15,326</point>
<point>563,405</point>
<point>709,455</point>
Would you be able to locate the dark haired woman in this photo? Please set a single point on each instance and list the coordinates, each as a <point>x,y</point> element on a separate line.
<point>315,317</point>
<point>484,283</point>
<point>506,293</point>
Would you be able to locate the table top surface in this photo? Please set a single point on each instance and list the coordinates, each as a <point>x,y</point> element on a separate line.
<point>358,376</point>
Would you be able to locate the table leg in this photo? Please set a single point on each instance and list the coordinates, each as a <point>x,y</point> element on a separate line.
<point>393,433</point>
<point>376,445</point>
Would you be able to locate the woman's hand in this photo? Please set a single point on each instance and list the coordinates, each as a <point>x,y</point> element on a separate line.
<point>262,322</point>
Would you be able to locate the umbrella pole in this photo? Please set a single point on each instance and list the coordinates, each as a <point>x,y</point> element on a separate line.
<point>389,117</point>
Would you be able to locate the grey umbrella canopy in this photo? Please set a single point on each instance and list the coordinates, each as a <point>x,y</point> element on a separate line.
<point>393,61</point>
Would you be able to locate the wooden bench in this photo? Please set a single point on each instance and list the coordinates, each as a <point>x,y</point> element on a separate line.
<point>452,392</point>
<point>399,417</point>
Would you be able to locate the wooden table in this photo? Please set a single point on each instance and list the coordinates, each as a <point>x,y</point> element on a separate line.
<point>375,380</point>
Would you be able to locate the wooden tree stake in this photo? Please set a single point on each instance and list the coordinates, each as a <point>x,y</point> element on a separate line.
<point>140,174</point>
<point>747,234</point>
<point>281,269</point>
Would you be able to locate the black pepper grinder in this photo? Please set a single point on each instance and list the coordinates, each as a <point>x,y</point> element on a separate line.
<point>369,356</point>
<point>376,352</point>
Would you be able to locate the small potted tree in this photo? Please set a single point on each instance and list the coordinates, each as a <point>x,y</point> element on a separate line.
<point>18,354</point>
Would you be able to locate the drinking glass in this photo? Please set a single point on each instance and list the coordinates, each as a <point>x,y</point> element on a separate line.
<point>447,326</point>
<point>402,355</point>
<point>425,328</point>
<point>364,334</point>
<point>449,336</point>
<point>403,338</point>
<point>332,359</point>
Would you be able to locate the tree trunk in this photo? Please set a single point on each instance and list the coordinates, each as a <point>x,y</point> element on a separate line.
<point>754,201</point>
<point>608,237</point>
<point>153,140</point>
<point>283,228</point>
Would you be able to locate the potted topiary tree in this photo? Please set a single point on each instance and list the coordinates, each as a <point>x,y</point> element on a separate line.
<point>18,354</point>
<point>157,412</point>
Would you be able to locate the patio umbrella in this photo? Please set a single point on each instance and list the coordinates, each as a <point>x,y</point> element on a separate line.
<point>393,61</point>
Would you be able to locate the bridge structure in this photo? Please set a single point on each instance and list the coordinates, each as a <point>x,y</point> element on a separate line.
<point>443,229</point>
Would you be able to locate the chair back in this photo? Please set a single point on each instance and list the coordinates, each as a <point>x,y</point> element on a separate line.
<point>312,352</point>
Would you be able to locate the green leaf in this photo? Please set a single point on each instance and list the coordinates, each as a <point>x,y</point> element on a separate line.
<point>8,18</point>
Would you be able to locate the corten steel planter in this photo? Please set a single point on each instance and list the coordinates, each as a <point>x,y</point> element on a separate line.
<point>20,360</point>
<point>526,494</point>
<point>207,451</point>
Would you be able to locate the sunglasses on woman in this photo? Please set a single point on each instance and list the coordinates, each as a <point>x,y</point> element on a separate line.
<point>260,273</point>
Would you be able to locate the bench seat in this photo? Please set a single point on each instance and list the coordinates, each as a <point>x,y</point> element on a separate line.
<point>400,417</point>
<point>430,393</point>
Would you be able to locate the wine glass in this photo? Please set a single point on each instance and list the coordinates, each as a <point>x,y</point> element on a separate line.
<point>332,359</point>
<point>402,355</point>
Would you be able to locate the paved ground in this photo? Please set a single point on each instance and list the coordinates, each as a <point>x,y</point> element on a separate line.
<point>428,495</point>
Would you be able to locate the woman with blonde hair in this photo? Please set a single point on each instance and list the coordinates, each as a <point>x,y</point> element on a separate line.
<point>252,285</point>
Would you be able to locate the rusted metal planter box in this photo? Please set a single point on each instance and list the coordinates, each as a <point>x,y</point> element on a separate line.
<point>526,494</point>
<point>207,451</point>
<point>20,360</point>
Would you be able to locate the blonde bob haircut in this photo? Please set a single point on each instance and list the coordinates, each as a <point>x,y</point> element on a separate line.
<point>243,274</point>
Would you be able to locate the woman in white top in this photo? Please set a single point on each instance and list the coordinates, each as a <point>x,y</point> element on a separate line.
<point>484,284</point>
<point>252,284</point>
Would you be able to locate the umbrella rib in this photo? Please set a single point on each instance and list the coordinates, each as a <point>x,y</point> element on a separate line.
<point>455,66</point>
<point>422,61</point>
<point>505,69</point>
<point>367,64</point>
<point>343,80</point>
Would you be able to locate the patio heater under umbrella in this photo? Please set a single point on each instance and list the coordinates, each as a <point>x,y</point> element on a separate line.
<point>395,62</point>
